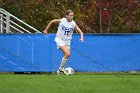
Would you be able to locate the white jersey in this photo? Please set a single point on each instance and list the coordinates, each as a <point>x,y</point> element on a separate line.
<point>65,30</point>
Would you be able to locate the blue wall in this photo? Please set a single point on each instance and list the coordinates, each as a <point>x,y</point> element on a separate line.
<point>99,53</point>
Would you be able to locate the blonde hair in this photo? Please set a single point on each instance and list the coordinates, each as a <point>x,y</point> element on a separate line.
<point>69,11</point>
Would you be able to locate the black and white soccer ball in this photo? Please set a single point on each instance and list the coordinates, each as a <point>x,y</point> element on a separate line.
<point>69,71</point>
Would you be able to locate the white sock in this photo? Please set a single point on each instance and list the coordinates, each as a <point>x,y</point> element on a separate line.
<point>63,62</point>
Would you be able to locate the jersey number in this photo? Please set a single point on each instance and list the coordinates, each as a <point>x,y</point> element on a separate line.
<point>66,32</point>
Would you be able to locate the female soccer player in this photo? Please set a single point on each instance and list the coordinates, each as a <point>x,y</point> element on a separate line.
<point>64,36</point>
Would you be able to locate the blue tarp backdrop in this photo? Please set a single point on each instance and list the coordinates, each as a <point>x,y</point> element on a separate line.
<point>98,53</point>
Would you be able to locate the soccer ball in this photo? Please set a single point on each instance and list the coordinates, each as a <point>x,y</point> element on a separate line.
<point>69,71</point>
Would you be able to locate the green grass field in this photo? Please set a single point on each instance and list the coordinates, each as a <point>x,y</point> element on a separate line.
<point>80,83</point>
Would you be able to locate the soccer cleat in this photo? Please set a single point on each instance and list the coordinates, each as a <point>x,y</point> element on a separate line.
<point>60,71</point>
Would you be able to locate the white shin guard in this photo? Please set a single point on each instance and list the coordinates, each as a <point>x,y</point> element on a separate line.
<point>63,62</point>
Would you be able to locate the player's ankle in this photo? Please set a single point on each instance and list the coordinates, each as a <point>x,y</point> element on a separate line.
<point>61,68</point>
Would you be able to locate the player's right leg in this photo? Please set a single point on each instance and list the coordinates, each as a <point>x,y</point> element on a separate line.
<point>66,53</point>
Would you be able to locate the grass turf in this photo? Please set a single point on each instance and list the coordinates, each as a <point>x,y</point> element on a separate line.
<point>69,84</point>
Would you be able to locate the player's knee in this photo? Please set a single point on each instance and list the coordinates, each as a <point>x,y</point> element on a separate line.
<point>67,54</point>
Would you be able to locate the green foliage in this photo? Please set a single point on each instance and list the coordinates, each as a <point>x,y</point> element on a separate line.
<point>38,13</point>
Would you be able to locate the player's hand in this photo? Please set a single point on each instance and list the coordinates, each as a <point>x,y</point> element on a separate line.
<point>81,40</point>
<point>45,31</point>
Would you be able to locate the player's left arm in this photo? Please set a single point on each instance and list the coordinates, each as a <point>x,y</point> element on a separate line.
<point>80,32</point>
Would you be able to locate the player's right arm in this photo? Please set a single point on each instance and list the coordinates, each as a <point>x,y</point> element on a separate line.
<point>50,23</point>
